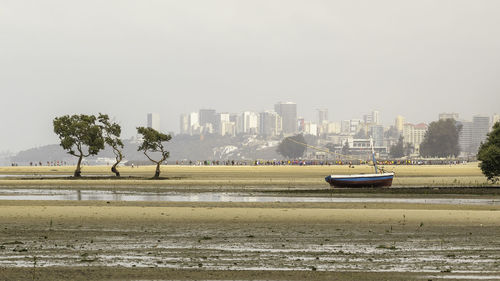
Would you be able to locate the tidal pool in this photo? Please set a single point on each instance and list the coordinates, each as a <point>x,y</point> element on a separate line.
<point>106,195</point>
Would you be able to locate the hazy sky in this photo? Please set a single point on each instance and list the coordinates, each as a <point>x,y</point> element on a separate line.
<point>127,58</point>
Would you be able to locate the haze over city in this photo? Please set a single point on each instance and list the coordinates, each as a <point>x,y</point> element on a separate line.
<point>126,58</point>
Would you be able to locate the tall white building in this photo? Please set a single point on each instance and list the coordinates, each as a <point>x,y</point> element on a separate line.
<point>414,134</point>
<point>270,123</point>
<point>249,123</point>
<point>154,121</point>
<point>399,123</point>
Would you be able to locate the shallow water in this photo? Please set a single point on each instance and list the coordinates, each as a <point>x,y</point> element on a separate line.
<point>103,195</point>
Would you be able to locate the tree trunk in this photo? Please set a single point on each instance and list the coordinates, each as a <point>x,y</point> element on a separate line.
<point>157,173</point>
<point>78,171</point>
<point>114,170</point>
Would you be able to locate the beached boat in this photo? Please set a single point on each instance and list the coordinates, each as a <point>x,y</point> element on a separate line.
<point>362,180</point>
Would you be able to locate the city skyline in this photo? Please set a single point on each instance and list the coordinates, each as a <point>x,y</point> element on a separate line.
<point>176,57</point>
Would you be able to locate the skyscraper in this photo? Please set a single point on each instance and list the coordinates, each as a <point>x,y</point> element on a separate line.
<point>400,122</point>
<point>288,113</point>
<point>372,118</point>
<point>322,116</point>
<point>270,123</point>
<point>154,121</point>
<point>207,116</point>
<point>480,128</point>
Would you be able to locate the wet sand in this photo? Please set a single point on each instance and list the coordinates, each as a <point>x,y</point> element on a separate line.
<point>134,240</point>
<point>94,240</point>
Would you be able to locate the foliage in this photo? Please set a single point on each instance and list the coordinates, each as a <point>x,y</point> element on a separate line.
<point>153,142</point>
<point>401,149</point>
<point>441,139</point>
<point>80,135</point>
<point>345,149</point>
<point>397,150</point>
<point>391,133</point>
<point>489,154</point>
<point>291,147</point>
<point>111,133</point>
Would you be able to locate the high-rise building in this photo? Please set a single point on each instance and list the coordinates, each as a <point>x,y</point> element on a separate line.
<point>445,115</point>
<point>480,129</point>
<point>189,123</point>
<point>465,137</point>
<point>207,116</point>
<point>377,133</point>
<point>249,123</point>
<point>310,128</point>
<point>270,124</point>
<point>154,121</point>
<point>414,134</point>
<point>184,124</point>
<point>288,113</point>
<point>372,118</point>
<point>345,126</point>
<point>399,124</point>
<point>322,116</point>
<point>220,119</point>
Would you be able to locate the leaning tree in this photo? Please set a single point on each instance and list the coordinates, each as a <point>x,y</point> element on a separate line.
<point>111,133</point>
<point>152,141</point>
<point>80,136</point>
<point>292,147</point>
<point>489,154</point>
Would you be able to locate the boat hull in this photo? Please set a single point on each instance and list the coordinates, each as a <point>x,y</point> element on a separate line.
<point>360,181</point>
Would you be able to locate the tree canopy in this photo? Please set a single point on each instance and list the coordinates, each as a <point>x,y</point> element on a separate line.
<point>441,139</point>
<point>489,154</point>
<point>80,135</point>
<point>291,148</point>
<point>152,141</point>
<point>111,133</point>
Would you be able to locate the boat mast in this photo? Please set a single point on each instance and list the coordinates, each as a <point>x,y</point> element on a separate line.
<point>373,155</point>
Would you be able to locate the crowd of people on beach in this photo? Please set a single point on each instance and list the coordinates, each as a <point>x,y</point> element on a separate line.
<point>275,162</point>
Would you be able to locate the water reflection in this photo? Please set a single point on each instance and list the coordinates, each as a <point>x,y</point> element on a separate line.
<point>102,195</point>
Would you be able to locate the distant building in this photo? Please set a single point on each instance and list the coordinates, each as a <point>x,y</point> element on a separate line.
<point>345,126</point>
<point>310,128</point>
<point>184,124</point>
<point>288,113</point>
<point>220,119</point>
<point>495,119</point>
<point>414,134</point>
<point>154,121</point>
<point>301,124</point>
<point>333,128</point>
<point>270,124</point>
<point>480,129</point>
<point>322,116</point>
<point>249,123</point>
<point>399,123</point>
<point>452,115</point>
<point>377,133</point>
<point>372,118</point>
<point>207,116</point>
<point>465,137</point>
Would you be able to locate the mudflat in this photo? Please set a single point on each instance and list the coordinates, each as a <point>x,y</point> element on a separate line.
<point>154,240</point>
<point>97,240</point>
